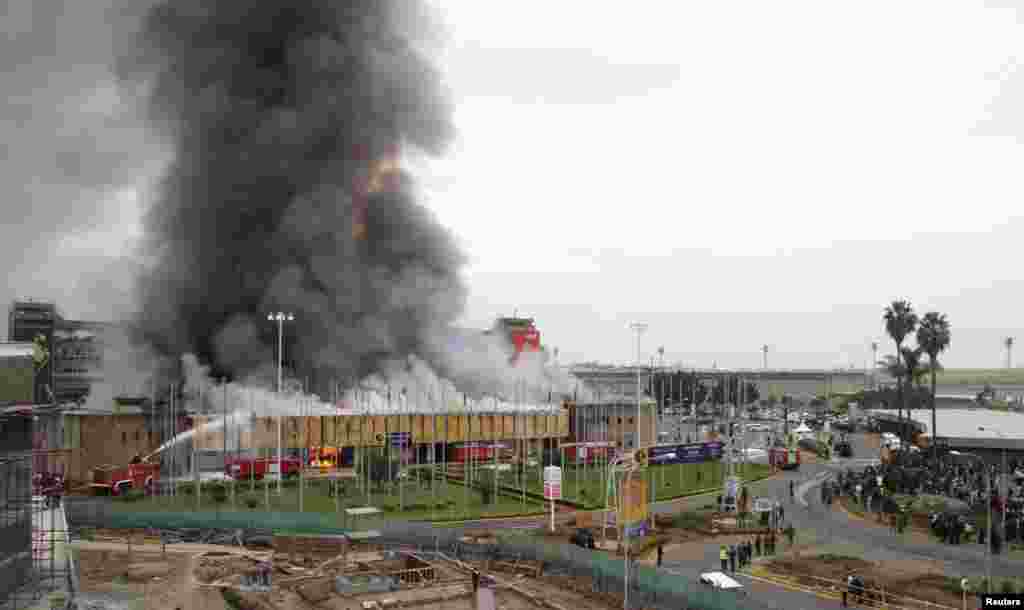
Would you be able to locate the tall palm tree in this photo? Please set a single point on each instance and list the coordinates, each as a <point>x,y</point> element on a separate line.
<point>933,335</point>
<point>900,321</point>
<point>912,372</point>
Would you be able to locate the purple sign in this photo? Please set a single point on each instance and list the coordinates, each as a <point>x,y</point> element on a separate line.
<point>692,453</point>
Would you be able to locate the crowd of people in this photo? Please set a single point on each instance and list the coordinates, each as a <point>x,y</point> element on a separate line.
<point>970,481</point>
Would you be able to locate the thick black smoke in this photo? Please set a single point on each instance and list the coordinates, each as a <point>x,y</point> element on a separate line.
<point>273,109</point>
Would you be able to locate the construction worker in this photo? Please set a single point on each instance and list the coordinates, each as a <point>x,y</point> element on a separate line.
<point>723,555</point>
<point>732,557</point>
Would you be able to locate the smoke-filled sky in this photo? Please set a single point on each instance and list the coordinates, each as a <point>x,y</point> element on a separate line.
<point>734,174</point>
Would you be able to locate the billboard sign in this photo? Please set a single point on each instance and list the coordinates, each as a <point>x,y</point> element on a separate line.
<point>692,453</point>
<point>634,505</point>
<point>552,483</point>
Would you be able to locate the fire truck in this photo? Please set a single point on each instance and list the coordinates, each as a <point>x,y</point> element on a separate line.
<point>117,481</point>
<point>243,468</point>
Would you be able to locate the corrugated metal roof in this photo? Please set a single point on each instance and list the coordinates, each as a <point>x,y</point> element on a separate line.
<point>11,349</point>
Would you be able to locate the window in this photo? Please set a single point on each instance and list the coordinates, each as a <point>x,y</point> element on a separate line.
<point>630,420</point>
<point>136,436</point>
<point>124,438</point>
<point>620,421</point>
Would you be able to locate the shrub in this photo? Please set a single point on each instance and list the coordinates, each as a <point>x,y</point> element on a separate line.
<point>219,492</point>
<point>133,495</point>
<point>1008,586</point>
<point>252,500</point>
<point>233,600</point>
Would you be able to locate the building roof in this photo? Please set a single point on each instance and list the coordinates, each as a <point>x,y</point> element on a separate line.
<point>15,349</point>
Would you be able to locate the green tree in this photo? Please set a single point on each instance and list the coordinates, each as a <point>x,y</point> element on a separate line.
<point>912,371</point>
<point>933,335</point>
<point>900,321</point>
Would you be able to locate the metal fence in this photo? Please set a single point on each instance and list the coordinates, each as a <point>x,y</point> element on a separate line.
<point>648,587</point>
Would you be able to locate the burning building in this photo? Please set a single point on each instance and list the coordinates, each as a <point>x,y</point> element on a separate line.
<point>520,334</point>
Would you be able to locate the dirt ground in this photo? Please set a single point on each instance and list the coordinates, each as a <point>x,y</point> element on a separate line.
<point>913,579</point>
<point>165,582</point>
<point>173,581</point>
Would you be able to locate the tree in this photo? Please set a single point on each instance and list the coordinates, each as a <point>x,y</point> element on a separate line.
<point>900,321</point>
<point>912,371</point>
<point>933,335</point>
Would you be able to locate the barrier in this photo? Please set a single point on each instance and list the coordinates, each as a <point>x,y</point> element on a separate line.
<point>649,587</point>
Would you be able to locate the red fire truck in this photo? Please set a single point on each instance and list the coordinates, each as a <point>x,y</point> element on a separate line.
<point>116,481</point>
<point>242,468</point>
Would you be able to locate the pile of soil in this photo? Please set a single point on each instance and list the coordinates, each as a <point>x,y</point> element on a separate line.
<point>213,568</point>
<point>915,580</point>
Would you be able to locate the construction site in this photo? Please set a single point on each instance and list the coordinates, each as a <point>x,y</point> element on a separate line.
<point>299,572</point>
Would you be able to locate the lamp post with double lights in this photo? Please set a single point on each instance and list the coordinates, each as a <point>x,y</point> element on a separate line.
<point>280,317</point>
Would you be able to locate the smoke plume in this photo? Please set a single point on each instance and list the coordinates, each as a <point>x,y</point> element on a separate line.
<point>277,112</point>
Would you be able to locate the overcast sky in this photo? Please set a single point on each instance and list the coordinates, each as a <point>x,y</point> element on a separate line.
<point>739,173</point>
<point>732,173</point>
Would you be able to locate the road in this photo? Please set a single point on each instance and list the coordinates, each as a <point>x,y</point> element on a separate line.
<point>818,525</point>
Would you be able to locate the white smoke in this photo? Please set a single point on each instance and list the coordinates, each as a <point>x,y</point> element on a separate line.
<point>127,369</point>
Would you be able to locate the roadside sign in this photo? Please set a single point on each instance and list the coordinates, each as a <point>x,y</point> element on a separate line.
<point>399,439</point>
<point>732,485</point>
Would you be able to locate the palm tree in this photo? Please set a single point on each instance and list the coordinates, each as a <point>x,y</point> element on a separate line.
<point>912,372</point>
<point>900,321</point>
<point>933,336</point>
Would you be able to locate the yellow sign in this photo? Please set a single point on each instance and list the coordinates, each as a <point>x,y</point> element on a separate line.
<point>634,501</point>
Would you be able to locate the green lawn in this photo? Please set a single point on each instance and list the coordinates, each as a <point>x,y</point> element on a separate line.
<point>445,502</point>
<point>980,376</point>
<point>588,485</point>
<point>450,501</point>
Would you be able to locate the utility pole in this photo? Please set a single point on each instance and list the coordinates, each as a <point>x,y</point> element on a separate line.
<point>280,317</point>
<point>1008,342</point>
<point>874,366</point>
<point>639,328</point>
<point>764,350</point>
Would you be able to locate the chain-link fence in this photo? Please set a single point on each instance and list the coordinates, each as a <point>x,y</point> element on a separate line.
<point>648,587</point>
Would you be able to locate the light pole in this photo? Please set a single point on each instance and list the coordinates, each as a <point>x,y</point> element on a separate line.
<point>1003,471</point>
<point>1008,342</point>
<point>874,365</point>
<point>280,317</point>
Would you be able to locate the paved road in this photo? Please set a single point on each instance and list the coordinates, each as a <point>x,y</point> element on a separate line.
<point>827,528</point>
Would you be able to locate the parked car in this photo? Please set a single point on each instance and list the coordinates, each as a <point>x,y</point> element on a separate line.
<point>583,538</point>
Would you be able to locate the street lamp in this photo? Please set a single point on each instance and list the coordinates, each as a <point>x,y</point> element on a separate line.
<point>1003,469</point>
<point>280,317</point>
<point>874,367</point>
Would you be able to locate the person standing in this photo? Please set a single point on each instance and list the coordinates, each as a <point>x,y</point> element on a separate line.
<point>792,491</point>
<point>848,590</point>
<point>723,556</point>
<point>757,546</point>
<point>661,554</point>
<point>732,557</point>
